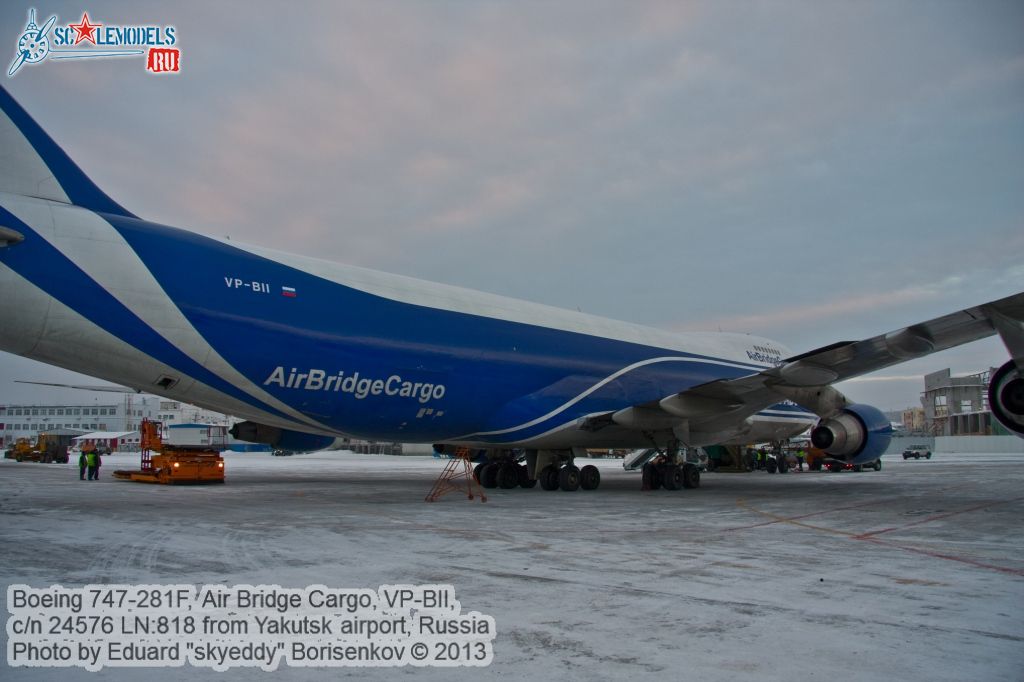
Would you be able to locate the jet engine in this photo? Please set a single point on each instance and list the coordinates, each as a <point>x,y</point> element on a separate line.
<point>858,434</point>
<point>1006,397</point>
<point>282,439</point>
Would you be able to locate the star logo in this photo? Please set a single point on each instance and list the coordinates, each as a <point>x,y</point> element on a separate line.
<point>85,30</point>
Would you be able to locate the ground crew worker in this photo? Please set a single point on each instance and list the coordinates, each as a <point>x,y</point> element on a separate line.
<point>650,475</point>
<point>800,454</point>
<point>762,458</point>
<point>93,460</point>
<point>83,462</point>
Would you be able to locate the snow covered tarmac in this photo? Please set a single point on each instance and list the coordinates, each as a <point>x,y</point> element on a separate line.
<point>915,572</point>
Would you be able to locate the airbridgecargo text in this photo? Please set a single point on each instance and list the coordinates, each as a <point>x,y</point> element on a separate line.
<point>261,626</point>
<point>359,387</point>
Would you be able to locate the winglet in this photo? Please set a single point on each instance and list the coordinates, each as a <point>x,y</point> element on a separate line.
<point>31,164</point>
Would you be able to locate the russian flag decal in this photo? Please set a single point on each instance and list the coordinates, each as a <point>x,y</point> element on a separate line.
<point>288,291</point>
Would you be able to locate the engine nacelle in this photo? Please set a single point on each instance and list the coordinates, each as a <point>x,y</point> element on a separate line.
<point>859,434</point>
<point>282,439</point>
<point>1006,398</point>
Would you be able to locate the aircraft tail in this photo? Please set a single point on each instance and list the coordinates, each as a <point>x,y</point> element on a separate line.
<point>31,164</point>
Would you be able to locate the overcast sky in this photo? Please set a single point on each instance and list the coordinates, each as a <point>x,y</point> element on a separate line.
<point>808,171</point>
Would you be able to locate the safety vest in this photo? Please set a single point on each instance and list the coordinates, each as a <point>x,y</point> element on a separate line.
<point>91,459</point>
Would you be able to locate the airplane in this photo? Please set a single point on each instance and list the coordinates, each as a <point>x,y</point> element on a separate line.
<point>307,351</point>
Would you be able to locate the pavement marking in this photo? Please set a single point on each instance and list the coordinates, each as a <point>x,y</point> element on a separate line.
<point>936,517</point>
<point>869,537</point>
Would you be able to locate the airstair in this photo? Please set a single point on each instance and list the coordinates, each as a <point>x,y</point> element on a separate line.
<point>636,459</point>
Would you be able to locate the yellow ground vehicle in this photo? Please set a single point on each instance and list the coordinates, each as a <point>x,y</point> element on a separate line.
<point>165,463</point>
<point>47,448</point>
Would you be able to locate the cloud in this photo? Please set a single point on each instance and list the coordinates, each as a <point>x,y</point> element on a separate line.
<point>829,309</point>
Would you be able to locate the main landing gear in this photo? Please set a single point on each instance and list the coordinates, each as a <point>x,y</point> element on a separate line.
<point>505,474</point>
<point>553,469</point>
<point>670,476</point>
<point>570,477</point>
<point>669,470</point>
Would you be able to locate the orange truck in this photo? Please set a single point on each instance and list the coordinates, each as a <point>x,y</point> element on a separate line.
<point>173,464</point>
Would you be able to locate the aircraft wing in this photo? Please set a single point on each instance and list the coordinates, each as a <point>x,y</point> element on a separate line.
<point>722,409</point>
<point>106,388</point>
<point>806,378</point>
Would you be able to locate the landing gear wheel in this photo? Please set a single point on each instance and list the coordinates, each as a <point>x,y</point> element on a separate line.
<point>524,477</point>
<point>507,476</point>
<point>771,466</point>
<point>590,477</point>
<point>569,478</point>
<point>651,477</point>
<point>783,466</point>
<point>672,477</point>
<point>477,469</point>
<point>691,476</point>
<point>489,475</point>
<point>548,478</point>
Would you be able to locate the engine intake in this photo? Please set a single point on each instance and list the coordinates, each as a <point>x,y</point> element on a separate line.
<point>1006,397</point>
<point>858,434</point>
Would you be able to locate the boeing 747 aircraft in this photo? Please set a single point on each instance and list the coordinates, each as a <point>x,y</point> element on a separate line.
<point>307,351</point>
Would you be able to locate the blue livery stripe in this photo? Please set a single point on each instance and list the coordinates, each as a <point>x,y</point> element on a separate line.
<point>47,268</point>
<point>76,184</point>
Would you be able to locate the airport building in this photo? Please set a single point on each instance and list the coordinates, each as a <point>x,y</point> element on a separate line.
<point>124,414</point>
<point>913,419</point>
<point>958,406</point>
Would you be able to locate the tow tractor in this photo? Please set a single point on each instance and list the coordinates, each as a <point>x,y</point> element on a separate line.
<point>170,463</point>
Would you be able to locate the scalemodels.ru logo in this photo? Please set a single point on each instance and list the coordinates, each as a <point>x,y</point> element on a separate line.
<point>36,43</point>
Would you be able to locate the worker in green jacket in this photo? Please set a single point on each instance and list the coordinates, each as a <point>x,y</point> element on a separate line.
<point>93,460</point>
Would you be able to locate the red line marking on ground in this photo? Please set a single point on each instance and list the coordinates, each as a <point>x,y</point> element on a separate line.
<point>936,517</point>
<point>869,537</point>
<point>940,555</point>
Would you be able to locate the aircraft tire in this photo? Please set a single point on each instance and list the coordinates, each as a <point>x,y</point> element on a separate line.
<point>569,478</point>
<point>477,470</point>
<point>691,477</point>
<point>507,476</point>
<point>524,477</point>
<point>671,477</point>
<point>489,475</point>
<point>771,466</point>
<point>654,477</point>
<point>549,478</point>
<point>590,477</point>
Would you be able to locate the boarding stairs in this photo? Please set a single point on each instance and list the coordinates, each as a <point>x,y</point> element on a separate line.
<point>457,476</point>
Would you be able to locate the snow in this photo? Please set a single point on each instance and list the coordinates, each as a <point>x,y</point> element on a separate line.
<point>915,572</point>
